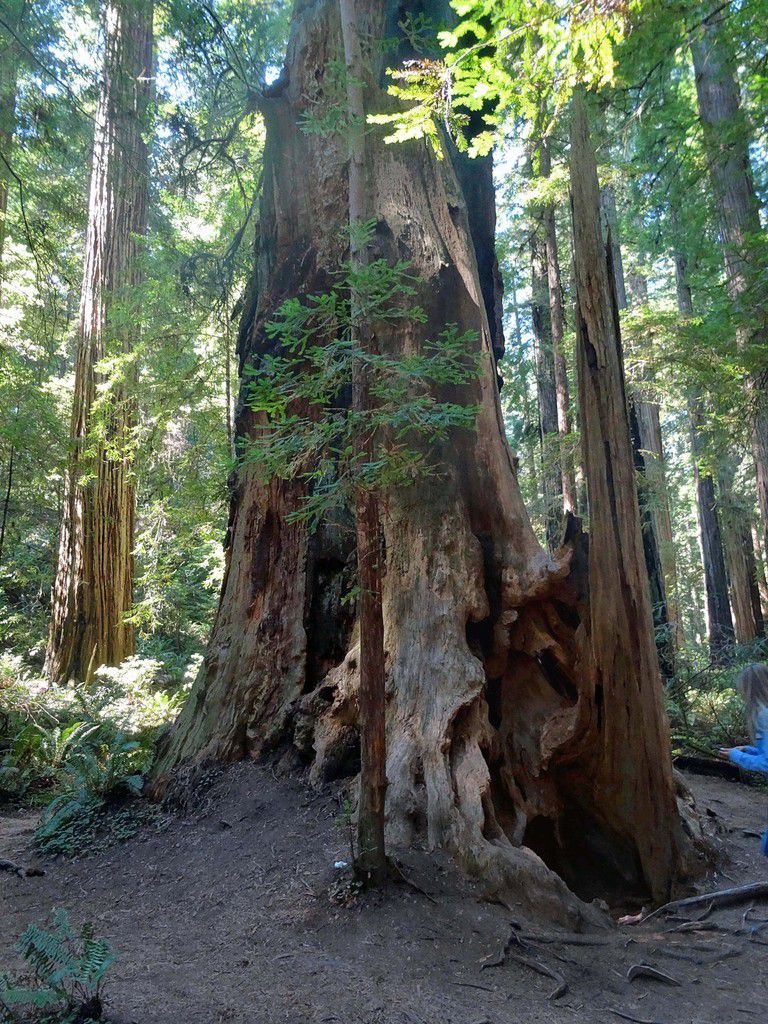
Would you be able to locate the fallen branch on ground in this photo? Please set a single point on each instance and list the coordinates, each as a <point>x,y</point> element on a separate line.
<point>20,870</point>
<point>570,940</point>
<point>721,898</point>
<point>628,1016</point>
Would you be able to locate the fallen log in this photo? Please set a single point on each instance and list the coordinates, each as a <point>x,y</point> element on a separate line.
<point>719,899</point>
<point>712,766</point>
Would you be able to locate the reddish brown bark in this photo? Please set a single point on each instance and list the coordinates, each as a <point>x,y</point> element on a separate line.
<point>546,389</point>
<point>609,219</point>
<point>740,558</point>
<point>371,854</point>
<point>509,741</point>
<point>621,626</point>
<point>94,580</point>
<point>641,433</point>
<point>557,329</point>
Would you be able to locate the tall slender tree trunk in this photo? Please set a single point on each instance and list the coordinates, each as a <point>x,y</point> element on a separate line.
<point>511,741</point>
<point>7,498</point>
<point>372,862</point>
<point>549,434</point>
<point>622,643</point>
<point>9,69</point>
<point>528,416</point>
<point>727,141</point>
<point>546,389</point>
<point>609,222</point>
<point>719,621</point>
<point>656,498</point>
<point>93,590</point>
<point>762,580</point>
<point>739,558</point>
<point>557,332</point>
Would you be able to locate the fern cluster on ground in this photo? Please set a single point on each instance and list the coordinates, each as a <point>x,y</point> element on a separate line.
<point>81,752</point>
<point>63,983</point>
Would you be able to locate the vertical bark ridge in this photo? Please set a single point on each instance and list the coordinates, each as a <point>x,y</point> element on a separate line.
<point>93,590</point>
<point>494,721</point>
<point>740,558</point>
<point>621,626</point>
<point>557,324</point>
<point>655,501</point>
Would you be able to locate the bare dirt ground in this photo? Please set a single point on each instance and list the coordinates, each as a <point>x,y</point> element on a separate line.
<point>226,915</point>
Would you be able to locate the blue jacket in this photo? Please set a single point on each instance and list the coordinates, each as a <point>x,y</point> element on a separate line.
<point>755,759</point>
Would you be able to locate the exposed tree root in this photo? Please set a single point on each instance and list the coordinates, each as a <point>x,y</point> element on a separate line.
<point>21,870</point>
<point>517,949</point>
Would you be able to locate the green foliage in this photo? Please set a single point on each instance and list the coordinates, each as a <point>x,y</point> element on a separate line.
<point>83,751</point>
<point>65,979</point>
<point>310,432</point>
<point>517,58</point>
<point>706,712</point>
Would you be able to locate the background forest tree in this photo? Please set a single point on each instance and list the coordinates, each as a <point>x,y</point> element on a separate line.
<point>674,109</point>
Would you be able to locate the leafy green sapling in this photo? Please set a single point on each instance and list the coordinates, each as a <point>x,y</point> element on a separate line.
<point>301,392</point>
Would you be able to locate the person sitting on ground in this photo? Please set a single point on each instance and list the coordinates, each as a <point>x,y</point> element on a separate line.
<point>752,684</point>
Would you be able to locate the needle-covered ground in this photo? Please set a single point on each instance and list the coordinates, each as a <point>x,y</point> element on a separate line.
<point>235,912</point>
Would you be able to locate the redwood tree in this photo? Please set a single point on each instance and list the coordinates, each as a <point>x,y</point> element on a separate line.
<point>656,496</point>
<point>719,619</point>
<point>9,68</point>
<point>726,140</point>
<point>546,387</point>
<point>513,739</point>
<point>622,642</point>
<point>557,327</point>
<point>93,590</point>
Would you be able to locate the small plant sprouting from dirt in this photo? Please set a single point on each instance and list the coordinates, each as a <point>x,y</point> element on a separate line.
<point>64,980</point>
<point>346,887</point>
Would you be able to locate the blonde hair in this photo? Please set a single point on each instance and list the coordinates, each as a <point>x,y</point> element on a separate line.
<point>752,684</point>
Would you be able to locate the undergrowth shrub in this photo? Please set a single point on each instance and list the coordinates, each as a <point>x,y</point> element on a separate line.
<point>82,751</point>
<point>64,977</point>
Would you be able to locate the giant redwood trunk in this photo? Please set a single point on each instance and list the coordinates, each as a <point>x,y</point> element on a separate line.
<point>93,589</point>
<point>511,741</point>
<point>727,143</point>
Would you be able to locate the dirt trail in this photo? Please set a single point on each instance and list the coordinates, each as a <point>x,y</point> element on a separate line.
<point>225,915</point>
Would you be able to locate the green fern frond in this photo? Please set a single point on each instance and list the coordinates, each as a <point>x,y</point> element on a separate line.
<point>67,969</point>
